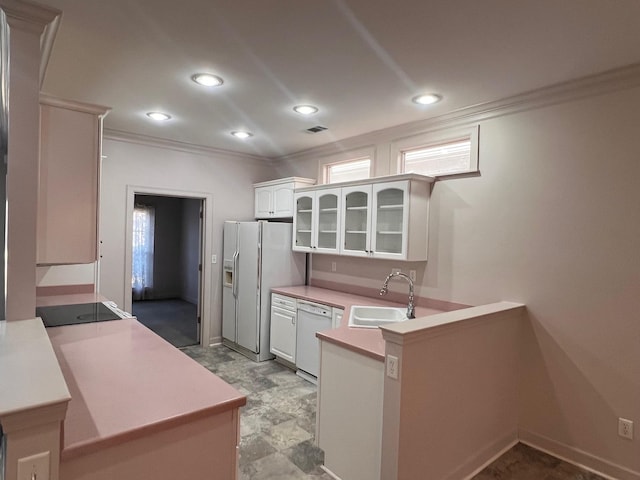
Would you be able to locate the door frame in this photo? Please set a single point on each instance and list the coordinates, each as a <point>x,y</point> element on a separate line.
<point>206,247</point>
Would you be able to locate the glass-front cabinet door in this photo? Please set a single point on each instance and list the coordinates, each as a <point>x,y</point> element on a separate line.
<point>303,222</point>
<point>327,221</point>
<point>356,220</point>
<point>390,220</point>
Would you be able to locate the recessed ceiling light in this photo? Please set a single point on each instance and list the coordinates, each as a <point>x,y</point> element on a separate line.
<point>427,99</point>
<point>242,134</point>
<point>207,79</point>
<point>159,116</point>
<point>305,109</point>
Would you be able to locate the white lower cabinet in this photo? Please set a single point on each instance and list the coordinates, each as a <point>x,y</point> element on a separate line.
<point>349,416</point>
<point>283,327</point>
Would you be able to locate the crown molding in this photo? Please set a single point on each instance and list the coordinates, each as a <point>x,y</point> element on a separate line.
<point>598,84</point>
<point>38,19</point>
<point>28,16</point>
<point>46,99</point>
<point>150,141</point>
<point>46,45</point>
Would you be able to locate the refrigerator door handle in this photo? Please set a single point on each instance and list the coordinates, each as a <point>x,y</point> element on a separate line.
<point>259,289</point>
<point>234,282</point>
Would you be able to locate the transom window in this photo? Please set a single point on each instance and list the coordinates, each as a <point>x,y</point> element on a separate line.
<point>444,159</point>
<point>356,169</point>
<point>439,154</point>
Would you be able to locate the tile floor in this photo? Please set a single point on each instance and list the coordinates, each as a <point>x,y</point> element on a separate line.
<point>278,423</point>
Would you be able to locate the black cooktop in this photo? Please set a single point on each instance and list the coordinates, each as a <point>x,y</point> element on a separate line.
<point>59,315</point>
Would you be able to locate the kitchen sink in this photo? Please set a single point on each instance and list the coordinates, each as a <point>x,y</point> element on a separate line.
<point>373,317</point>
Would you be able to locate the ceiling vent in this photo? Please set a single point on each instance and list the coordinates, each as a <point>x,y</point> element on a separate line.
<point>316,129</point>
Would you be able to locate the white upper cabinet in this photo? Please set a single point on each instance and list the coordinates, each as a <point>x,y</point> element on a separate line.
<point>316,223</point>
<point>69,172</point>
<point>264,202</point>
<point>327,221</point>
<point>356,228</point>
<point>390,212</point>
<point>274,199</point>
<point>383,217</point>
<point>400,220</point>
<point>303,221</point>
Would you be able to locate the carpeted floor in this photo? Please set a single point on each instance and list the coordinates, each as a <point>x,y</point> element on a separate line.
<point>174,320</point>
<point>277,426</point>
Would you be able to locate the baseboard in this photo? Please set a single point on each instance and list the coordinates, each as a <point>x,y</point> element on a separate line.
<point>215,341</point>
<point>477,462</point>
<point>193,301</point>
<point>330,473</point>
<point>577,457</point>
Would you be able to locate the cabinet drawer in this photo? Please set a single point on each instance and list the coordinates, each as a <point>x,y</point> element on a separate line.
<point>287,303</point>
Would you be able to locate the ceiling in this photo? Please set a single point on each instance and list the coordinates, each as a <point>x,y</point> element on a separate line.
<point>359,61</point>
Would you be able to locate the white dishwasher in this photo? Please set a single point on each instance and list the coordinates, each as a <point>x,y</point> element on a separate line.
<point>312,318</point>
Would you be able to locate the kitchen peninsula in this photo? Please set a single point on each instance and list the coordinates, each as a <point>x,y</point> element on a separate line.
<point>391,400</point>
<point>140,408</point>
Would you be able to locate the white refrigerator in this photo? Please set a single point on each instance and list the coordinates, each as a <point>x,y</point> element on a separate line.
<point>257,257</point>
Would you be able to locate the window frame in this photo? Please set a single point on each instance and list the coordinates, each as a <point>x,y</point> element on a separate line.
<point>437,138</point>
<point>328,166</point>
<point>344,157</point>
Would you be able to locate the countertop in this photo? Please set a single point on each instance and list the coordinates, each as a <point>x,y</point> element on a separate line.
<point>127,382</point>
<point>25,355</point>
<point>366,341</point>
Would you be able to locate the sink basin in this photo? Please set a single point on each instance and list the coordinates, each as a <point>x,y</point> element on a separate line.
<point>373,317</point>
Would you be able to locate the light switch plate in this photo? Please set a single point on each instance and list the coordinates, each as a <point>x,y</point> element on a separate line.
<point>392,367</point>
<point>35,467</point>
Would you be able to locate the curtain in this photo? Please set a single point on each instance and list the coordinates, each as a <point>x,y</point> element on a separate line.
<point>142,256</point>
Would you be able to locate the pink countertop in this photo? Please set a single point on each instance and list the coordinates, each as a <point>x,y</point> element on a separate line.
<point>366,341</point>
<point>126,382</point>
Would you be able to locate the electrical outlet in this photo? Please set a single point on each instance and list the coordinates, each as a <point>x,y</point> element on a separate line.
<point>214,259</point>
<point>35,467</point>
<point>412,275</point>
<point>333,266</point>
<point>392,366</point>
<point>625,428</point>
<point>396,270</point>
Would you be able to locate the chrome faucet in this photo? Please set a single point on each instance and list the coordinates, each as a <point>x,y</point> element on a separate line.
<point>411,309</point>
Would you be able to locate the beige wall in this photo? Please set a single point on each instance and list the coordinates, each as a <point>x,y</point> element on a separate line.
<point>227,179</point>
<point>552,221</point>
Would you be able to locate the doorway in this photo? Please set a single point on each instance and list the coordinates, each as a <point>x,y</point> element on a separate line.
<point>166,266</point>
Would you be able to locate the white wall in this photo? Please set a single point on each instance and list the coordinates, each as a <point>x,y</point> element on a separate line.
<point>227,179</point>
<point>552,221</point>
